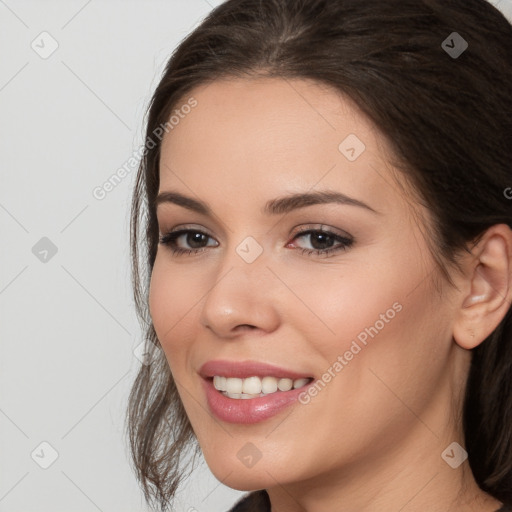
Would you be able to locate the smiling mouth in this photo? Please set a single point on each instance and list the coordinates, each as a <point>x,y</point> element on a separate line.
<point>255,387</point>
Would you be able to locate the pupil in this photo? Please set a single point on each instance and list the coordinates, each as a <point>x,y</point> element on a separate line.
<point>195,238</point>
<point>323,238</point>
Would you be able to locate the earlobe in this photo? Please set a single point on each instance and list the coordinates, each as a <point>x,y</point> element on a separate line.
<point>488,288</point>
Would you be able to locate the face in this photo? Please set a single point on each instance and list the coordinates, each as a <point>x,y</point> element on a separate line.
<point>338,292</point>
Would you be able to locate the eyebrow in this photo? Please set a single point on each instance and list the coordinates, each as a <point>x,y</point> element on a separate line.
<point>276,206</point>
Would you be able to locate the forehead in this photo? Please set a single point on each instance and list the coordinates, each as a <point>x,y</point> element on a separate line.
<point>275,134</point>
<point>258,110</point>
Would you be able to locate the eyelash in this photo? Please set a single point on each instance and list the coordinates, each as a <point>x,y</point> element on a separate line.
<point>170,238</point>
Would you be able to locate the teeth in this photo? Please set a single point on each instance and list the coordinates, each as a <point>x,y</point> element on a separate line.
<point>299,383</point>
<point>268,385</point>
<point>219,383</point>
<point>285,384</point>
<point>252,387</point>
<point>234,385</point>
<point>240,396</point>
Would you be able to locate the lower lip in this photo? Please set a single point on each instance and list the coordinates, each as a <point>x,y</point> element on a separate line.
<point>250,410</point>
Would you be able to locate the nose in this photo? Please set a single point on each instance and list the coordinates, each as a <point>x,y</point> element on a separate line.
<point>243,297</point>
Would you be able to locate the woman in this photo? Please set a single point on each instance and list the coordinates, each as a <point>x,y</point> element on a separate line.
<point>326,218</point>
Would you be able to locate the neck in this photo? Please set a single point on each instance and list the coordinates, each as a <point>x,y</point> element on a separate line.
<point>408,475</point>
<point>415,481</point>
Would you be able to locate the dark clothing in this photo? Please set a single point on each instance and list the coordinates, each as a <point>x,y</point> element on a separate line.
<point>258,501</point>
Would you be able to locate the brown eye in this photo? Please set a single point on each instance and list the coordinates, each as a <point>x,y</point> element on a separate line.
<point>195,241</point>
<point>322,241</point>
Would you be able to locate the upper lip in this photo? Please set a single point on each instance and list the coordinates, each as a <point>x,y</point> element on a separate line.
<point>244,369</point>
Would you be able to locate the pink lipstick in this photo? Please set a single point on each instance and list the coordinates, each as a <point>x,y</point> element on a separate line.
<point>248,392</point>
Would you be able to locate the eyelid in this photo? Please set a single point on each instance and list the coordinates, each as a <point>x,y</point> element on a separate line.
<point>185,227</point>
<point>320,227</point>
<point>168,221</point>
<point>297,230</point>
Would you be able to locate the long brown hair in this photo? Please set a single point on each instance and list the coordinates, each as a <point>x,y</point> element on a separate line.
<point>448,119</point>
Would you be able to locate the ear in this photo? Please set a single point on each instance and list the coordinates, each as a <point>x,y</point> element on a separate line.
<point>487,289</point>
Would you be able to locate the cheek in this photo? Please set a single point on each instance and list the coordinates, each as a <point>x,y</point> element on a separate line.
<point>344,302</point>
<point>172,297</point>
<point>394,344</point>
<point>161,299</point>
<point>380,317</point>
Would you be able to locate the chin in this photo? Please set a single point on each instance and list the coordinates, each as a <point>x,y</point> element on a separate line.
<point>231,471</point>
<point>246,480</point>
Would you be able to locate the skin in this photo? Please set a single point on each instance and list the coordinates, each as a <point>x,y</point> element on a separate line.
<point>372,438</point>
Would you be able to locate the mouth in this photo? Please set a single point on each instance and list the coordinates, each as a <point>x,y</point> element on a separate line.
<point>256,386</point>
<point>249,391</point>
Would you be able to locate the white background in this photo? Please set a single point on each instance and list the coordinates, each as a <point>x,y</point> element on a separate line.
<point>68,327</point>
